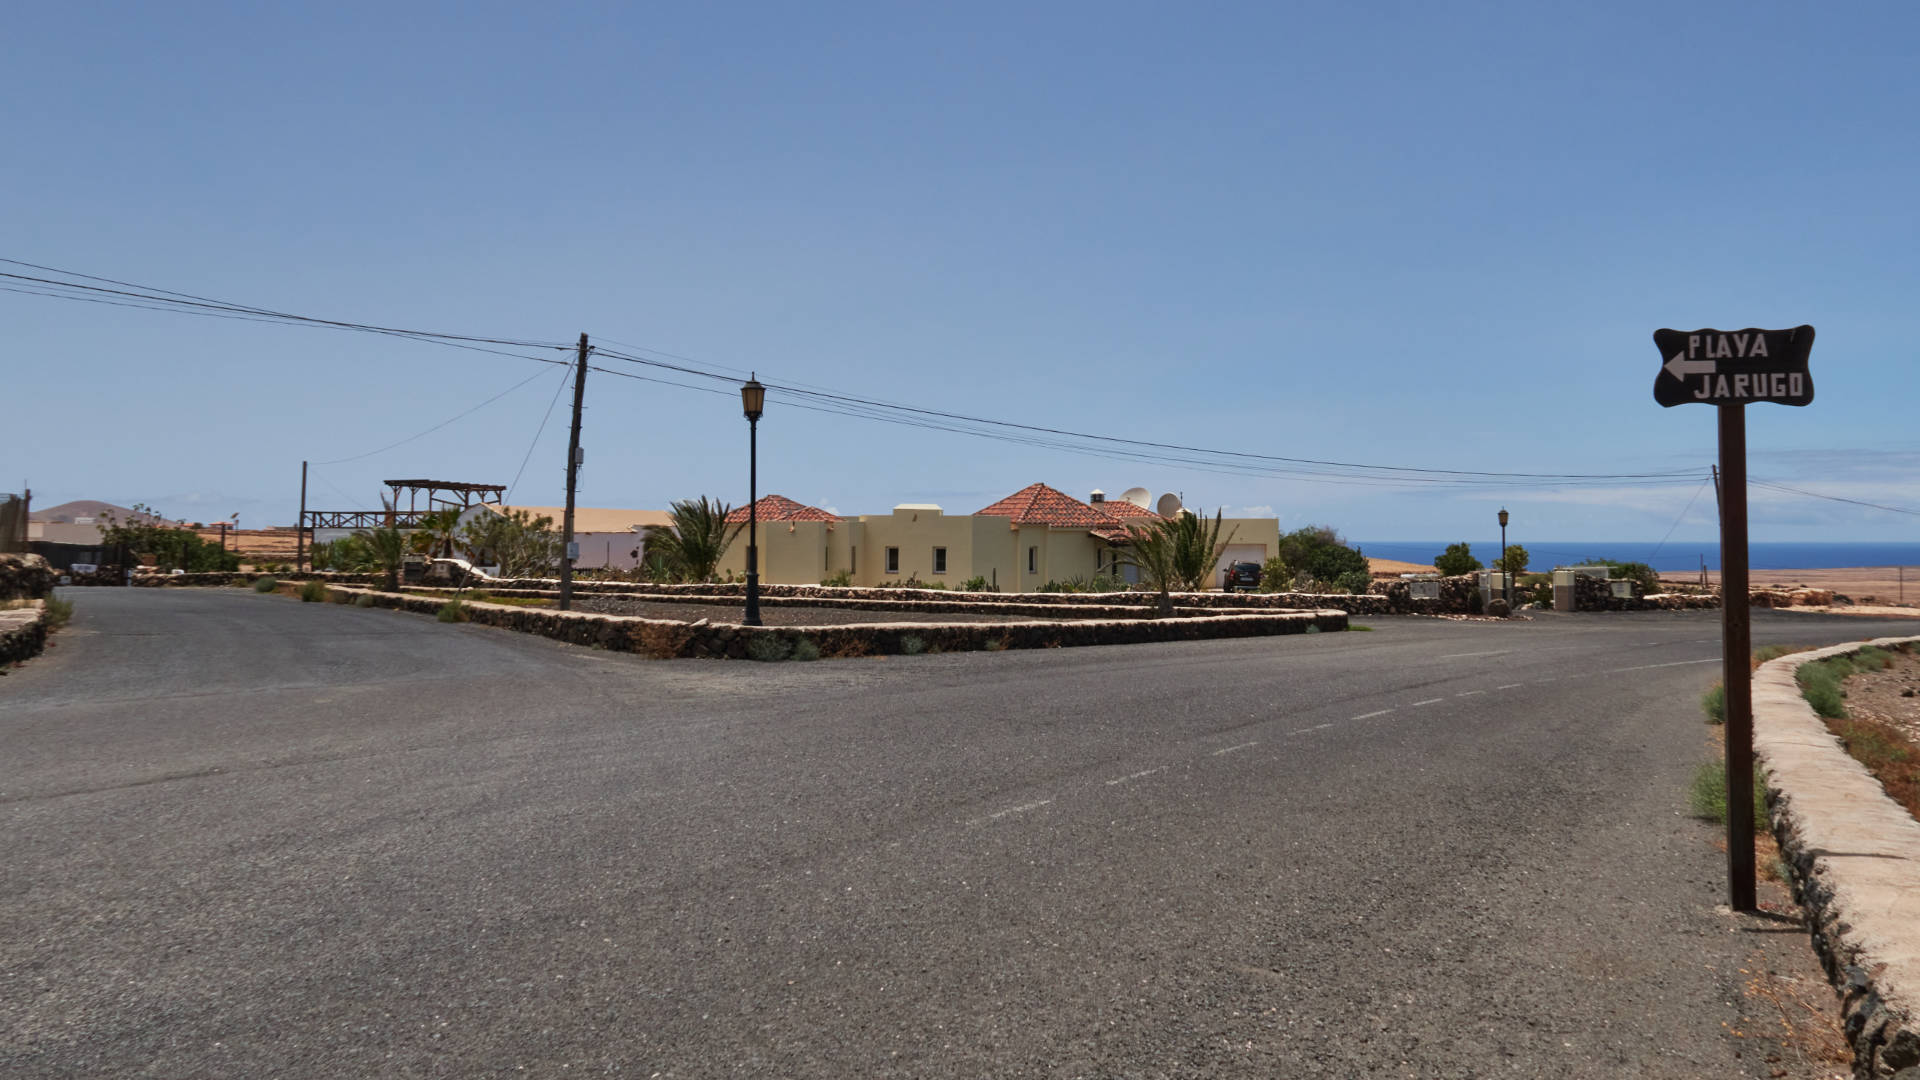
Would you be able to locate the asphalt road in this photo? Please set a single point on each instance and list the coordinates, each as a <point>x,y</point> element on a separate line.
<point>247,837</point>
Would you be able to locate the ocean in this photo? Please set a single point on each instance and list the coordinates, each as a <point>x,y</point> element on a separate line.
<point>1674,555</point>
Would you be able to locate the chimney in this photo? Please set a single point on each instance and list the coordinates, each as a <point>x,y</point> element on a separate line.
<point>1098,496</point>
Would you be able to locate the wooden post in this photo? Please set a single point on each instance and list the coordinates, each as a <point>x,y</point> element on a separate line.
<point>573,474</point>
<point>300,530</point>
<point>1737,649</point>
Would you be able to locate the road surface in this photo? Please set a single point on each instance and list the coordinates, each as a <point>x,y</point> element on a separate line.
<point>250,837</point>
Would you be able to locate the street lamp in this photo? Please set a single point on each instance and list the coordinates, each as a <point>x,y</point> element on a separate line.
<point>1506,569</point>
<point>753,399</point>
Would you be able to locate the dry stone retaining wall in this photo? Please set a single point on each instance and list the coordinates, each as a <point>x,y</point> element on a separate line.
<point>668,638</point>
<point>1856,866</point>
<point>25,577</point>
<point>23,633</point>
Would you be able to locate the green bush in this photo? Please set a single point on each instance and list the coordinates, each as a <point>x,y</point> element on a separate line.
<point>841,580</point>
<point>1356,582</point>
<point>363,601</point>
<point>265,584</point>
<point>768,648</point>
<point>1456,560</point>
<point>1707,796</point>
<point>453,611</point>
<point>313,592</point>
<point>912,644</point>
<point>805,649</point>
<point>976,583</point>
<point>1872,658</point>
<point>1714,704</point>
<point>1820,685</point>
<point>58,612</point>
<point>1769,652</point>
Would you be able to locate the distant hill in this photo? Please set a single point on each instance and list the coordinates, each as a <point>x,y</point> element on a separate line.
<point>79,508</point>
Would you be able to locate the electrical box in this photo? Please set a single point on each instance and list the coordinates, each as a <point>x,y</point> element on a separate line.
<point>573,550</point>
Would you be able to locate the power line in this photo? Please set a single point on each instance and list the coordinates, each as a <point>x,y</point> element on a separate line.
<point>508,497</point>
<point>1682,517</point>
<point>438,426</point>
<point>1833,498</point>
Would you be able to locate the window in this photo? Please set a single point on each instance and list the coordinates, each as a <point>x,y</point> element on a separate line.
<point>893,560</point>
<point>1033,560</point>
<point>939,560</point>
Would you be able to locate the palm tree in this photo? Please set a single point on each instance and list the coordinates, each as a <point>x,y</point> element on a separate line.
<point>1179,552</point>
<point>433,534</point>
<point>698,539</point>
<point>388,548</point>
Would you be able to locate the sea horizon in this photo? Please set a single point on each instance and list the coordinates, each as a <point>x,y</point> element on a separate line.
<point>1668,557</point>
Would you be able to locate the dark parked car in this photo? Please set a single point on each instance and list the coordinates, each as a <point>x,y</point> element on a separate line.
<point>1242,576</point>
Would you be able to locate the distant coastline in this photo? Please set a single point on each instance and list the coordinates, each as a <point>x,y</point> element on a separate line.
<point>1675,556</point>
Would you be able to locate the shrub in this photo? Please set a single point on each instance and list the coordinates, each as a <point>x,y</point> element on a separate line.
<point>58,612</point>
<point>842,580</point>
<point>1456,560</point>
<point>912,644</point>
<point>1707,795</point>
<point>1356,582</point>
<point>1872,658</point>
<point>1637,572</point>
<point>265,584</point>
<point>1820,685</point>
<point>976,583</point>
<point>312,592</point>
<point>768,648</point>
<point>1515,558</point>
<point>1714,704</point>
<point>805,649</point>
<point>1769,652</point>
<point>453,611</point>
<point>363,601</point>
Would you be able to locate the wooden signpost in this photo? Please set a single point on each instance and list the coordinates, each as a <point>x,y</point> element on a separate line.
<point>1728,369</point>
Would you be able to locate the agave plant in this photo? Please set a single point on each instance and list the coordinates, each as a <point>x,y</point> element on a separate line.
<point>698,540</point>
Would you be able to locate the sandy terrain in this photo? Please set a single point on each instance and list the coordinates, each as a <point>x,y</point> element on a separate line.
<point>1861,584</point>
<point>1394,567</point>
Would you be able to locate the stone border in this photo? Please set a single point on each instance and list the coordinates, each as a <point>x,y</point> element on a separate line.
<point>23,632</point>
<point>673,639</point>
<point>1856,864</point>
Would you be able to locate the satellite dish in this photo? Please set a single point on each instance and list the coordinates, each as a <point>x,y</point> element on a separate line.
<point>1138,496</point>
<point>1168,505</point>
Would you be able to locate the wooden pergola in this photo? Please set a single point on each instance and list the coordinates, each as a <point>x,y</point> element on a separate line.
<point>439,495</point>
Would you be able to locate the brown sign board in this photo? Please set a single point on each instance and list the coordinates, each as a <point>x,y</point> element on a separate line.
<point>1733,367</point>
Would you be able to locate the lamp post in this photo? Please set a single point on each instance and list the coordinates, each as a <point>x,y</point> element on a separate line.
<point>1506,570</point>
<point>753,399</point>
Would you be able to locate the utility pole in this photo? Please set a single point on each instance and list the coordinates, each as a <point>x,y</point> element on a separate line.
<point>573,474</point>
<point>300,530</point>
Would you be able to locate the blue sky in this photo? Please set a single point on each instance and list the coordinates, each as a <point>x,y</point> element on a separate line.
<point>1427,235</point>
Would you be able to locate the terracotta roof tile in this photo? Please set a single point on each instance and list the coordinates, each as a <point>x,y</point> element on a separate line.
<point>781,508</point>
<point>1038,504</point>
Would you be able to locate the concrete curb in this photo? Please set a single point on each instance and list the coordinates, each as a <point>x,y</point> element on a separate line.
<point>1856,860</point>
<point>23,632</point>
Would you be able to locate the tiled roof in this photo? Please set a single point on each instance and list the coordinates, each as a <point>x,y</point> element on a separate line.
<point>781,508</point>
<point>1038,504</point>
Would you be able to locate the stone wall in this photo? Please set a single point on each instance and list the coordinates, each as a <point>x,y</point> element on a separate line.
<point>1852,852</point>
<point>1365,604</point>
<point>25,577</point>
<point>1593,594</point>
<point>23,633</point>
<point>667,638</point>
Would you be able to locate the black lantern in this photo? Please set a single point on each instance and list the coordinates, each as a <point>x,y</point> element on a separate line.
<point>1506,570</point>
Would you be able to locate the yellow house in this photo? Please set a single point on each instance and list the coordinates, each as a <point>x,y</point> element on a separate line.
<point>1034,536</point>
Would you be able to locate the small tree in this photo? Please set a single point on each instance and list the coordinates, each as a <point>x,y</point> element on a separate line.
<point>516,542</point>
<point>1319,554</point>
<point>1456,560</point>
<point>698,540</point>
<point>1180,552</point>
<point>171,547</point>
<point>1514,561</point>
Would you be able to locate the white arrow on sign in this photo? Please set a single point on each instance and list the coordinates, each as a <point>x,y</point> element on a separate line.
<point>1680,368</point>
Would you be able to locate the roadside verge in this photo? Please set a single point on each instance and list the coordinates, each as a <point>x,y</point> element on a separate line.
<point>1856,859</point>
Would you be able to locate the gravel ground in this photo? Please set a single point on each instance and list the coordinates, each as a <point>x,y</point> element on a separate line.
<point>772,615</point>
